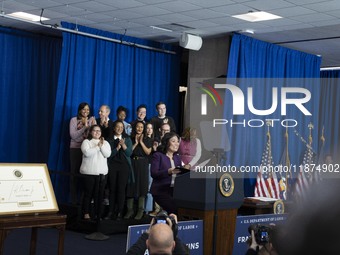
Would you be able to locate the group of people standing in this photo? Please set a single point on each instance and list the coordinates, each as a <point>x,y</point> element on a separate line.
<point>117,156</point>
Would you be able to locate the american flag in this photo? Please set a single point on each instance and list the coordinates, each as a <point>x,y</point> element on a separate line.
<point>305,177</point>
<point>266,182</point>
<point>285,177</point>
<point>320,159</point>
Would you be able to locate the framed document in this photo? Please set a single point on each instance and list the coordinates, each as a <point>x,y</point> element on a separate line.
<point>26,189</point>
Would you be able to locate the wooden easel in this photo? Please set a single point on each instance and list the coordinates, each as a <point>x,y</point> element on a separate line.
<point>8,223</point>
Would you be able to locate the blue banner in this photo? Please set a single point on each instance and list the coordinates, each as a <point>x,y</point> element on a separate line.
<point>243,222</point>
<point>190,233</point>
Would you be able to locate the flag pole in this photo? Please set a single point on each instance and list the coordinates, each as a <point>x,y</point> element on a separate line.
<point>322,138</point>
<point>310,139</point>
<point>269,124</point>
<point>288,173</point>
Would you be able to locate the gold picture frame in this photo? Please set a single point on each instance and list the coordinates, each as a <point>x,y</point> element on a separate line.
<point>26,189</point>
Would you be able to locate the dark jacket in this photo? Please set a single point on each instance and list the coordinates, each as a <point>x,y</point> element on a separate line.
<point>160,164</point>
<point>127,154</point>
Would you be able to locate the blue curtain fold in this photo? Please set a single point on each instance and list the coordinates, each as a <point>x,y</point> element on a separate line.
<point>330,111</point>
<point>103,72</point>
<point>268,65</point>
<point>28,81</point>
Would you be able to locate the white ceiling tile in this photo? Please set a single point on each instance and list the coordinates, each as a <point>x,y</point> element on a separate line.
<point>232,9</point>
<point>149,21</point>
<point>175,18</point>
<point>324,7</point>
<point>127,24</point>
<point>292,11</point>
<point>209,3</point>
<point>121,4</point>
<point>218,29</point>
<point>252,26</point>
<point>154,1</point>
<point>69,10</point>
<point>199,24</point>
<point>296,26</point>
<point>302,2</point>
<point>79,21</point>
<point>279,22</point>
<point>149,11</point>
<point>335,13</point>
<point>37,3</point>
<point>53,15</point>
<point>97,17</point>
<point>12,6</point>
<point>227,21</point>
<point>94,6</point>
<point>108,27</point>
<point>244,26</point>
<point>240,1</point>
<point>265,5</point>
<point>178,6</point>
<point>322,23</point>
<point>67,2</point>
<point>204,14</point>
<point>123,14</point>
<point>313,17</point>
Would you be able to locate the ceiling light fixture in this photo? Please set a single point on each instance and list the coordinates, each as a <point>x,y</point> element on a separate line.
<point>257,16</point>
<point>161,28</point>
<point>27,16</point>
<point>247,31</point>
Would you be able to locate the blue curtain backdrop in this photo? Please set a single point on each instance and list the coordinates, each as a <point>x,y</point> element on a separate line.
<point>28,80</point>
<point>330,111</point>
<point>251,58</point>
<point>102,72</point>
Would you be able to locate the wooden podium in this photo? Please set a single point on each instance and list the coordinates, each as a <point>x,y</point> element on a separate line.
<point>198,198</point>
<point>9,223</point>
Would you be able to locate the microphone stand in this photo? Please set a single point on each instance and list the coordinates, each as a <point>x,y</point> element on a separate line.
<point>219,155</point>
<point>98,236</point>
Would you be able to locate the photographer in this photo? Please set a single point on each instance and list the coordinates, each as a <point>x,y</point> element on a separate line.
<point>160,238</point>
<point>261,240</point>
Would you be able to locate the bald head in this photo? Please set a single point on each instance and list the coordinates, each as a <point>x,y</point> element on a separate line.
<point>161,240</point>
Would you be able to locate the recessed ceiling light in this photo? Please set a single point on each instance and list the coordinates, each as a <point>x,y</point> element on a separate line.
<point>27,16</point>
<point>257,16</point>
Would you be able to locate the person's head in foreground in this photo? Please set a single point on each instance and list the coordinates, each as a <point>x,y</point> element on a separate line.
<point>161,240</point>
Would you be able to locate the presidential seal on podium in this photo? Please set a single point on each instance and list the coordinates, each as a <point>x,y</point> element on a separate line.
<point>279,207</point>
<point>226,184</point>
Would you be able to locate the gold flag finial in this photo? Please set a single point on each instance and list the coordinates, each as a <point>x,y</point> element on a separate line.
<point>269,124</point>
<point>310,127</point>
<point>322,138</point>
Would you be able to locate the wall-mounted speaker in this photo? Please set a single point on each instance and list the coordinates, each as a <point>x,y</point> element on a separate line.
<point>191,42</point>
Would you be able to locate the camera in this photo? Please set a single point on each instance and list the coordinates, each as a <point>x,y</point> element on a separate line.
<point>261,233</point>
<point>161,218</point>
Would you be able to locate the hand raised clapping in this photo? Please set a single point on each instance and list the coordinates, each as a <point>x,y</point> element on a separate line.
<point>101,142</point>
